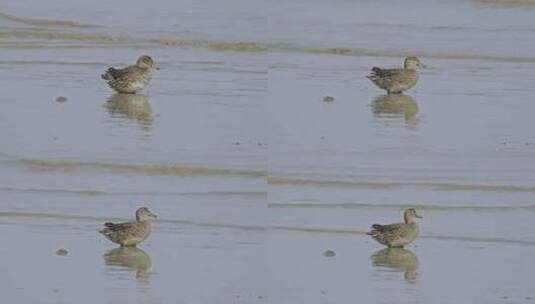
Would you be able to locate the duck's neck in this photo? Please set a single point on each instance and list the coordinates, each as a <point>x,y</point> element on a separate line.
<point>144,68</point>
<point>410,219</point>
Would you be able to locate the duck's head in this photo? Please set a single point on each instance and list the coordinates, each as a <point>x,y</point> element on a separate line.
<point>410,216</point>
<point>143,214</point>
<point>413,63</point>
<point>145,62</point>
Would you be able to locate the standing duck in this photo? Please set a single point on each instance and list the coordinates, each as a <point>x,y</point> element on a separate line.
<point>132,79</point>
<point>130,233</point>
<point>395,81</point>
<point>399,234</point>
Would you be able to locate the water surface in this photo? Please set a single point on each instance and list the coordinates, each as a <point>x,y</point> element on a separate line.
<point>254,177</point>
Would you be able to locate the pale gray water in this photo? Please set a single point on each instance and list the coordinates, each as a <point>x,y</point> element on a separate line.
<point>253,175</point>
<point>459,148</point>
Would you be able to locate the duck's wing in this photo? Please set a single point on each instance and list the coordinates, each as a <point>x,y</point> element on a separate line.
<point>117,74</point>
<point>116,228</point>
<point>377,73</point>
<point>377,228</point>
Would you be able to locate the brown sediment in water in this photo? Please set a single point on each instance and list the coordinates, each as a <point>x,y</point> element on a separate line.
<point>44,22</point>
<point>119,41</point>
<point>95,37</point>
<point>52,62</point>
<point>239,46</point>
<point>419,206</point>
<point>88,192</point>
<point>397,53</point>
<point>56,35</point>
<point>151,169</point>
<point>349,51</point>
<point>505,3</point>
<point>36,216</point>
<point>443,186</point>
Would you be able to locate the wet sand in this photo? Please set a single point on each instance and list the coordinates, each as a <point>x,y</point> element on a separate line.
<point>180,148</point>
<point>192,262</point>
<point>457,147</point>
<point>361,271</point>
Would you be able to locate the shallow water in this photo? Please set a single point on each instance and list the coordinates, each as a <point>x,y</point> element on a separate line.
<point>254,177</point>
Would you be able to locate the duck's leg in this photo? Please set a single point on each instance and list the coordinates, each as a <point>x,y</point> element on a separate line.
<point>127,245</point>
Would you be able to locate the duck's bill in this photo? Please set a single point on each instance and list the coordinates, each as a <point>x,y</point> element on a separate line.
<point>423,65</point>
<point>153,215</point>
<point>157,68</point>
<point>418,216</point>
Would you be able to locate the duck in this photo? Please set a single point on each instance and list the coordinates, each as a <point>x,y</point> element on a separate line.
<point>130,234</point>
<point>397,235</point>
<point>132,79</point>
<point>396,81</point>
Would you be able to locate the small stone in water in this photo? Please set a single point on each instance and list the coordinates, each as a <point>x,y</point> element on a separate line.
<point>328,99</point>
<point>329,253</point>
<point>62,252</point>
<point>61,99</point>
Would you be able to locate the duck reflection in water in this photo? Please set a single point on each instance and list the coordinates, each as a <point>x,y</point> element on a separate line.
<point>131,106</point>
<point>397,260</point>
<point>131,259</point>
<point>394,106</point>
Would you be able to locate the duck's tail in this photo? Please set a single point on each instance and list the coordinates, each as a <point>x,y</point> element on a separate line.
<point>109,74</point>
<point>375,228</point>
<point>374,73</point>
<point>108,227</point>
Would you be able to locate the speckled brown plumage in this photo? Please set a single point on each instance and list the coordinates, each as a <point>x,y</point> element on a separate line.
<point>399,234</point>
<point>132,79</point>
<point>130,233</point>
<point>396,81</point>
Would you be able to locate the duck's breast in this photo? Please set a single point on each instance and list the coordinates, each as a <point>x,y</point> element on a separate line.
<point>137,235</point>
<point>406,80</point>
<point>406,235</point>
